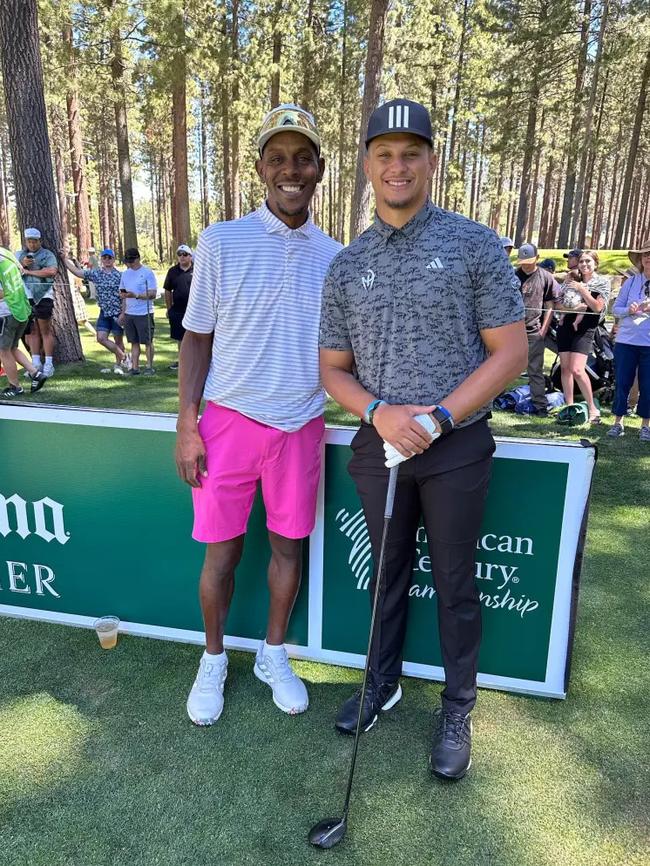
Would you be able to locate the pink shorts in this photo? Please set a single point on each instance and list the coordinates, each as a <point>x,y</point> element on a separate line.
<point>239,453</point>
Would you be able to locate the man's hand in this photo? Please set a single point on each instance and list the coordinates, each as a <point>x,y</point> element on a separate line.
<point>397,426</point>
<point>121,319</point>
<point>393,456</point>
<point>190,457</point>
<point>633,308</point>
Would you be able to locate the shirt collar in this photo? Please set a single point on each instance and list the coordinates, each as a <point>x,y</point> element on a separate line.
<point>273,225</point>
<point>411,229</point>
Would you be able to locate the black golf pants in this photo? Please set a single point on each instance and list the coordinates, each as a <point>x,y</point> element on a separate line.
<point>446,486</point>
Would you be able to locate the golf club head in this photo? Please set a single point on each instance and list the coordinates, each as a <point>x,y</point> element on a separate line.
<point>327,833</point>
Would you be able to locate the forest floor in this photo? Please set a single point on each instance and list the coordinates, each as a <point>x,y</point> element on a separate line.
<point>100,766</point>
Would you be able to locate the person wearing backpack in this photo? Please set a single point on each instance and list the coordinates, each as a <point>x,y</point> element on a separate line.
<point>15,311</point>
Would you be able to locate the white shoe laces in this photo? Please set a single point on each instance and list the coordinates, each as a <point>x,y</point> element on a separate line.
<point>210,676</point>
<point>279,666</point>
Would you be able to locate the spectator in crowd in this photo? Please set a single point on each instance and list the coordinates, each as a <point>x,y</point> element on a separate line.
<point>38,267</point>
<point>508,245</point>
<point>575,343</point>
<point>548,265</point>
<point>177,292</point>
<point>537,288</point>
<point>106,280</point>
<point>15,311</point>
<point>632,348</point>
<point>93,261</point>
<point>572,258</point>
<point>138,288</point>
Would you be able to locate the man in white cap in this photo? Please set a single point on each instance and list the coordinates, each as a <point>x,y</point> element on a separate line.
<point>251,350</point>
<point>38,268</point>
<point>177,293</point>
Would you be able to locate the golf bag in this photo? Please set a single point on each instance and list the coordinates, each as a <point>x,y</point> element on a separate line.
<point>600,367</point>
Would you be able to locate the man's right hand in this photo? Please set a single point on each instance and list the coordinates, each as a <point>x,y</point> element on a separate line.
<point>397,425</point>
<point>190,457</point>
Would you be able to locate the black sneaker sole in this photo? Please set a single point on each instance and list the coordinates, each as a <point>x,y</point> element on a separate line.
<point>390,703</point>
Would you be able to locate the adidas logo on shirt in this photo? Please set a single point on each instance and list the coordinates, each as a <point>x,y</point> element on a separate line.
<point>435,265</point>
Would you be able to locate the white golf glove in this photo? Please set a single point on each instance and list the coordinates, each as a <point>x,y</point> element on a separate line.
<point>393,457</point>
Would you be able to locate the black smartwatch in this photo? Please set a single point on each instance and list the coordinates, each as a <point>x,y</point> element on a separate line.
<point>445,420</point>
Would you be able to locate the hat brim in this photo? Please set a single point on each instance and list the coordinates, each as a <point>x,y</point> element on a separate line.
<point>526,261</point>
<point>402,130</point>
<point>635,257</point>
<point>263,140</point>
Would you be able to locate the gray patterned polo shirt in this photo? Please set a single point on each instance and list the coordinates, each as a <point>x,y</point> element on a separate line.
<point>411,302</point>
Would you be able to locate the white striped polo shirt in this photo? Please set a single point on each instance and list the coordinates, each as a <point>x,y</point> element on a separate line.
<point>257,284</point>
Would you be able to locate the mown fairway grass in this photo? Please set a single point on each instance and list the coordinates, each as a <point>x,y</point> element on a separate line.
<point>99,765</point>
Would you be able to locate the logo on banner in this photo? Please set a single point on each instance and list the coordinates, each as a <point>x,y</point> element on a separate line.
<point>43,519</point>
<point>498,588</point>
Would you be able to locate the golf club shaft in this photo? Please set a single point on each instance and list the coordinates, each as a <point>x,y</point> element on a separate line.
<point>388,511</point>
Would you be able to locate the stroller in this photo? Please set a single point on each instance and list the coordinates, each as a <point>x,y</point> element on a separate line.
<point>600,365</point>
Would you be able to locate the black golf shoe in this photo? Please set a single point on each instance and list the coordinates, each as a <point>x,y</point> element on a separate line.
<point>452,745</point>
<point>378,697</point>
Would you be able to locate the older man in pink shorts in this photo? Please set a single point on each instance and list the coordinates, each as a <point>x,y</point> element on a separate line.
<point>251,351</point>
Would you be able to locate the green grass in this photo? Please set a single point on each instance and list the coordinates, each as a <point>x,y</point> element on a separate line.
<point>99,765</point>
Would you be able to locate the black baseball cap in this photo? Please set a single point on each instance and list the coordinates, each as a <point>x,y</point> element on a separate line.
<point>548,265</point>
<point>400,115</point>
<point>574,254</point>
<point>131,254</point>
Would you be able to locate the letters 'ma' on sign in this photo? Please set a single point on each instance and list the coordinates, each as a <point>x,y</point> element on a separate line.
<point>46,518</point>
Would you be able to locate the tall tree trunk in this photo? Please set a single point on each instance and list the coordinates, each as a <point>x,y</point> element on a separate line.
<point>60,192</point>
<point>587,142</point>
<point>631,156</point>
<point>532,198</point>
<point>511,201</point>
<point>589,172</point>
<point>225,153</point>
<point>546,205</point>
<point>611,210</point>
<point>277,54</point>
<point>644,212</point>
<point>525,191</point>
<point>340,222</point>
<point>495,210</point>
<point>234,155</point>
<point>372,80</point>
<point>130,237</point>
<point>628,239</point>
<point>5,222</point>
<point>576,119</point>
<point>105,232</point>
<point>555,218</point>
<point>30,152</point>
<point>179,146</point>
<point>79,182</point>
<point>205,184</point>
<point>457,94</point>
<point>182,233</point>
<point>597,224</point>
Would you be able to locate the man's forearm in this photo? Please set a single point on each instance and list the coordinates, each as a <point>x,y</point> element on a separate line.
<point>487,381</point>
<point>345,389</point>
<point>195,355</point>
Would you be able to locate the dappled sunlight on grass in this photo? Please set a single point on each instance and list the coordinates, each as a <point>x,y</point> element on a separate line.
<point>42,743</point>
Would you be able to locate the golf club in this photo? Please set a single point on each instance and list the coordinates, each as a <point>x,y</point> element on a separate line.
<point>330,831</point>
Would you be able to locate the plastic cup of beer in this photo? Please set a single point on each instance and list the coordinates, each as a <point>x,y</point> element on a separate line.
<point>106,628</point>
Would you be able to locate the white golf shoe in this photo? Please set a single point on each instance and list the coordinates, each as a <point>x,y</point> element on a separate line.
<point>274,669</point>
<point>205,702</point>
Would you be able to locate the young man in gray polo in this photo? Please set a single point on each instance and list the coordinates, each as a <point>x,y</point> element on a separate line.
<point>421,326</point>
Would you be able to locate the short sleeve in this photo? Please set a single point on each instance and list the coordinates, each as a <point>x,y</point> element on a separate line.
<point>601,287</point>
<point>334,333</point>
<point>201,313</point>
<point>152,282</point>
<point>167,285</point>
<point>50,260</point>
<point>497,290</point>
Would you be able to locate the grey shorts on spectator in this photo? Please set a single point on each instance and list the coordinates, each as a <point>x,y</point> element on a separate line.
<point>137,330</point>
<point>11,330</point>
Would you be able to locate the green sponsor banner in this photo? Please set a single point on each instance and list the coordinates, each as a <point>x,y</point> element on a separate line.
<point>94,521</point>
<point>516,567</point>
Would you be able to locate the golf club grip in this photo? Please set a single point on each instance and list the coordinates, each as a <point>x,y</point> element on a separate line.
<point>390,494</point>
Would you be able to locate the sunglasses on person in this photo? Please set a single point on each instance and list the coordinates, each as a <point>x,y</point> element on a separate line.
<point>183,254</point>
